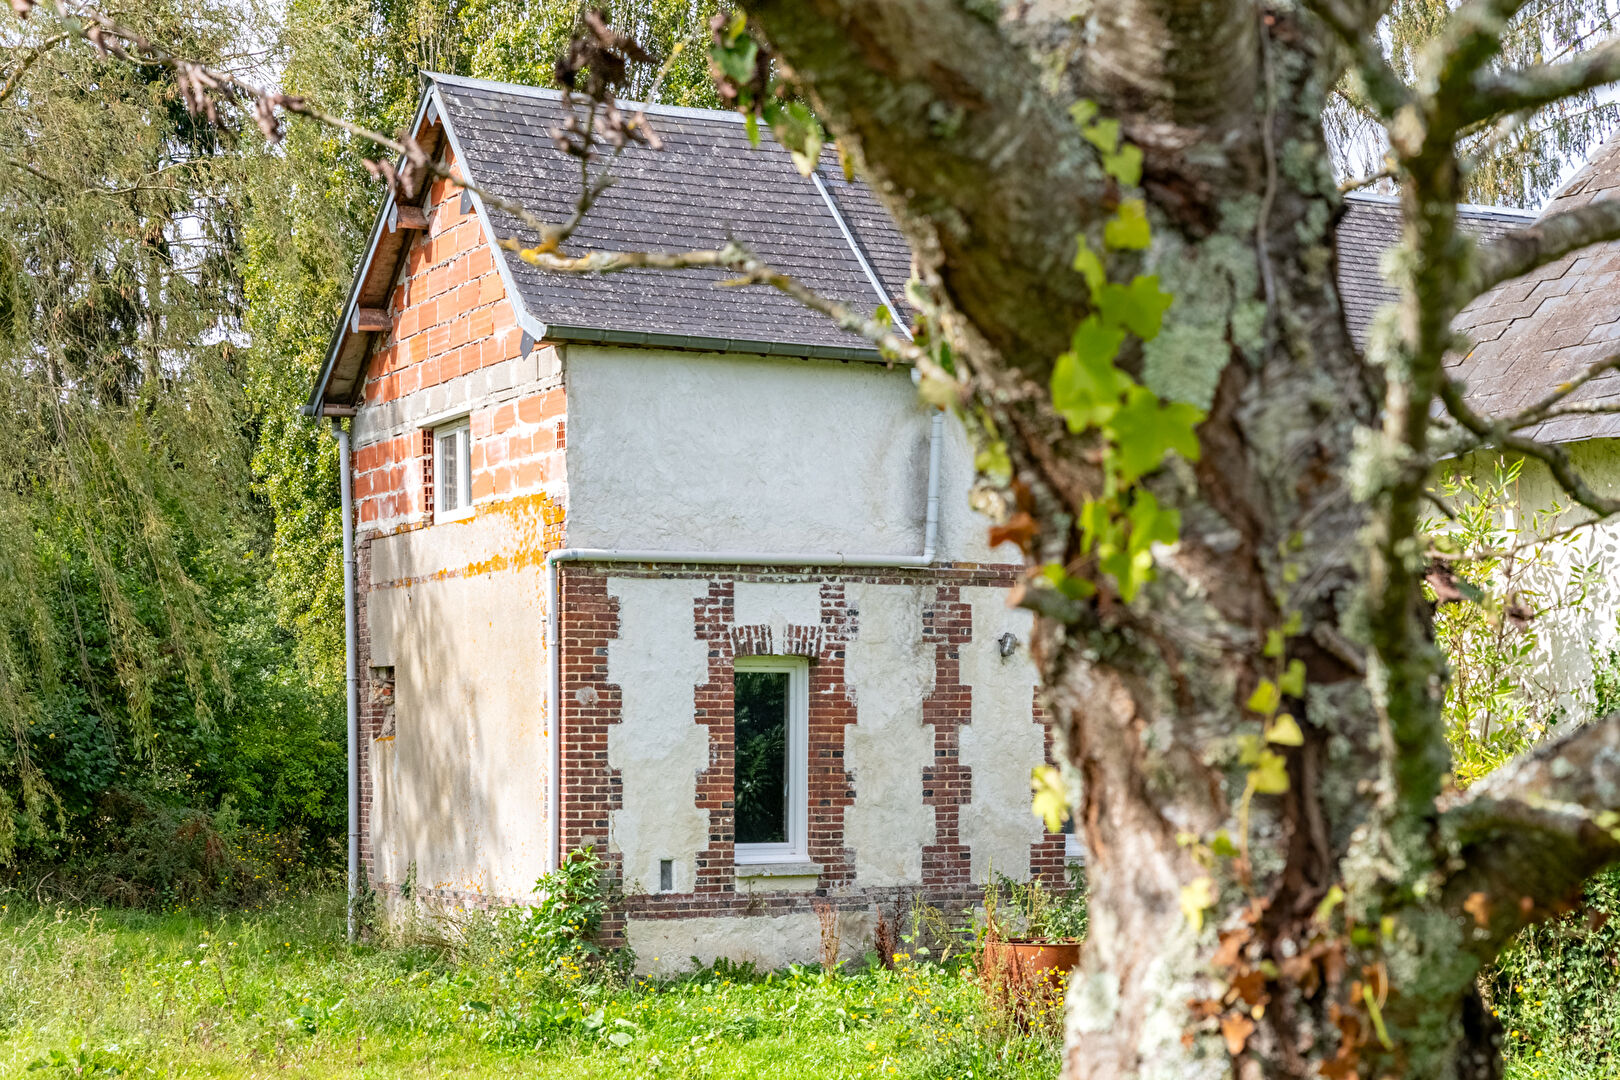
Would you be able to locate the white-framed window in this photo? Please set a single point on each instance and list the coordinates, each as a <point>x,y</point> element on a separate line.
<point>452,471</point>
<point>771,764</point>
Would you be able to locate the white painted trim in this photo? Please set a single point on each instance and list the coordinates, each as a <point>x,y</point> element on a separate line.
<point>515,90</point>
<point>860,256</point>
<point>797,826</point>
<point>462,429</point>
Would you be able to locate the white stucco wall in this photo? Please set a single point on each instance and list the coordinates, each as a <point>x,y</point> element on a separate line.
<point>460,789</point>
<point>681,451</point>
<point>657,746</point>
<point>890,670</point>
<point>1003,743</point>
<point>666,946</point>
<point>1569,636</point>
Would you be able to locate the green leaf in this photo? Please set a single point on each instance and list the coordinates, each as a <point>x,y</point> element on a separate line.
<point>1103,134</point>
<point>1126,165</point>
<point>1139,306</point>
<point>1270,776</point>
<point>1274,644</point>
<point>1076,588</point>
<point>1222,845</point>
<point>1265,698</point>
<point>1285,731</point>
<point>751,126</point>
<point>621,1038</point>
<point>1144,430</point>
<point>1089,265</point>
<point>1292,681</point>
<point>1128,230</point>
<point>735,28</point>
<point>736,61</point>
<point>1083,112</point>
<point>1086,386</point>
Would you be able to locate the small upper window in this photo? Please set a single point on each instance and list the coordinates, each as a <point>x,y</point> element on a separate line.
<point>452,471</point>
<point>771,770</point>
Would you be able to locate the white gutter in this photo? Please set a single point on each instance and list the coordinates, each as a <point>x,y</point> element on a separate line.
<point>351,661</point>
<point>936,438</point>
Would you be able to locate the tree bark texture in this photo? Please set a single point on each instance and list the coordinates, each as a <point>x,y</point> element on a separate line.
<point>1349,914</point>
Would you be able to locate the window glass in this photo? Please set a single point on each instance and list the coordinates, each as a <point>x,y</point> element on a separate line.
<point>447,483</point>
<point>761,786</point>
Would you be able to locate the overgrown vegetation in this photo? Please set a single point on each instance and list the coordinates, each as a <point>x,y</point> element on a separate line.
<point>233,994</point>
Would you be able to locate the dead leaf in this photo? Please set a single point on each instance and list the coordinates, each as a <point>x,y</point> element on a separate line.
<point>1479,906</point>
<point>1020,529</point>
<point>1236,1029</point>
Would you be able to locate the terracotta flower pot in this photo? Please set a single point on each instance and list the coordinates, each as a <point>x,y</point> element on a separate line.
<point>1029,966</point>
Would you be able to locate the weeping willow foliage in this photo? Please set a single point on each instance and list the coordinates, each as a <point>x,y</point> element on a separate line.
<point>1518,162</point>
<point>122,449</point>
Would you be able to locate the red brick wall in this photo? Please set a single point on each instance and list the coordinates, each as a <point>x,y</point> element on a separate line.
<point>591,789</point>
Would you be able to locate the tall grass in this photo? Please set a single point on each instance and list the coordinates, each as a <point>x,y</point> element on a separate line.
<point>279,992</point>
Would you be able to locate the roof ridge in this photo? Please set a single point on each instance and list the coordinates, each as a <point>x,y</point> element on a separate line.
<point>1518,213</point>
<point>548,94</point>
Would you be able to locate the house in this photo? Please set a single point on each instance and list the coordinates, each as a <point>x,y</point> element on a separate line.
<point>686,573</point>
<point>665,568</point>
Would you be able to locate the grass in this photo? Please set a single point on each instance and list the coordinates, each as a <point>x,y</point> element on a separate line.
<point>102,993</point>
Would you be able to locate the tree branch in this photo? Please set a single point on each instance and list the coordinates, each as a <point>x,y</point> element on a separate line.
<point>14,80</point>
<point>1555,457</point>
<point>1542,84</point>
<point>1548,240</point>
<point>1545,408</point>
<point>1529,834</point>
<point>1385,89</point>
<point>983,169</point>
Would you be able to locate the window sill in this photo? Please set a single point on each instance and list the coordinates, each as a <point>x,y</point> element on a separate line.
<point>445,517</point>
<point>794,869</point>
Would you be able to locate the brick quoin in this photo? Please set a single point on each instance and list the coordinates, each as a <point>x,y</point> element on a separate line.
<point>591,789</point>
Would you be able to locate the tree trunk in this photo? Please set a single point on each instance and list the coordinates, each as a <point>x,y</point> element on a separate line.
<point>1233,932</point>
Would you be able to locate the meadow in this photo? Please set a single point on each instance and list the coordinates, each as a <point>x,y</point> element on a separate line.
<point>88,992</point>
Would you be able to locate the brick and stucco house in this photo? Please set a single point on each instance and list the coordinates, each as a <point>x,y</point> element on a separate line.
<point>688,574</point>
<point>661,567</point>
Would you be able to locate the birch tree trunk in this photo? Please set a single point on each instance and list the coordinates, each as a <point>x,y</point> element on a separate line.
<point>1334,928</point>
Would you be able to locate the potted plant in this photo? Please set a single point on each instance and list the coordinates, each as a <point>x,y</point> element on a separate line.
<point>1032,936</point>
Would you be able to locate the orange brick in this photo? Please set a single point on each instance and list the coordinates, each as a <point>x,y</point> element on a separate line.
<point>416,348</point>
<point>368,511</point>
<point>490,288</point>
<point>562,434</point>
<point>495,451</point>
<point>483,485</point>
<point>530,474</point>
<point>531,410</point>
<point>505,417</point>
<point>503,315</point>
<point>457,272</point>
<point>481,424</point>
<point>480,262</point>
<point>503,480</point>
<point>438,278</point>
<point>409,322</point>
<point>455,333</point>
<point>480,324</point>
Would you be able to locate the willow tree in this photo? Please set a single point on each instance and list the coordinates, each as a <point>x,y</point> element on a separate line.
<point>1122,218</point>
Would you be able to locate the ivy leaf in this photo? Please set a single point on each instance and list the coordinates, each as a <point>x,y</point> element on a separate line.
<point>1051,801</point>
<point>1265,698</point>
<point>1144,430</point>
<point>1075,588</point>
<point>1274,644</point>
<point>798,130</point>
<point>1198,896</point>
<point>1086,386</point>
<point>1222,845</point>
<point>736,61</point>
<point>1270,776</point>
<point>1089,265</point>
<point>1292,681</point>
<point>1128,229</point>
<point>1125,166</point>
<point>1083,112</point>
<point>1150,524</point>
<point>1103,134</point>
<point>1139,306</point>
<point>1285,731</point>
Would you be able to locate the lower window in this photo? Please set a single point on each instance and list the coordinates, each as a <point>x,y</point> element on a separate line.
<point>771,769</point>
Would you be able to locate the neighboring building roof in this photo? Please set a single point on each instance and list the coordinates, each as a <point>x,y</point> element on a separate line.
<point>1371,227</point>
<point>1536,332</point>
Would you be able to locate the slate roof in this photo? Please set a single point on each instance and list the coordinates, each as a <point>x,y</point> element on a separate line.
<point>1535,332</point>
<point>1370,227</point>
<point>706,186</point>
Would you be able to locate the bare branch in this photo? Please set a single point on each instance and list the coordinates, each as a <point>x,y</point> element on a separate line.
<point>1544,409</point>
<point>1543,84</point>
<point>749,270</point>
<point>1386,173</point>
<point>29,59</point>
<point>1385,89</point>
<point>1555,457</point>
<point>1548,240</point>
<point>1529,834</point>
